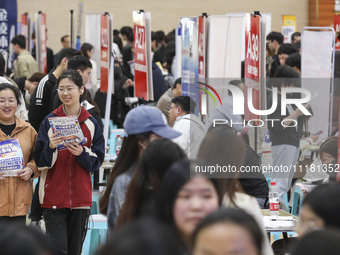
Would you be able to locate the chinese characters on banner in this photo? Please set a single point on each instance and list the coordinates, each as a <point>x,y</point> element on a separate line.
<point>41,42</point>
<point>104,53</point>
<point>8,23</point>
<point>189,29</point>
<point>288,27</point>
<point>252,65</point>
<point>142,55</point>
<point>337,29</point>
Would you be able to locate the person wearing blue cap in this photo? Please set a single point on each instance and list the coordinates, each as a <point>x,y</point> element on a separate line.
<point>142,125</point>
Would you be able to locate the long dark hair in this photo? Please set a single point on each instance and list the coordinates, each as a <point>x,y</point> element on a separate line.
<point>84,48</point>
<point>143,237</point>
<point>324,201</point>
<point>221,146</point>
<point>174,179</point>
<point>234,216</point>
<point>157,158</point>
<point>128,156</point>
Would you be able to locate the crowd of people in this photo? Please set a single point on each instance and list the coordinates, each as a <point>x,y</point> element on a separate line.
<point>155,200</point>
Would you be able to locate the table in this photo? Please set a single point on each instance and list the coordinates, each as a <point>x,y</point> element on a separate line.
<point>106,168</point>
<point>284,230</point>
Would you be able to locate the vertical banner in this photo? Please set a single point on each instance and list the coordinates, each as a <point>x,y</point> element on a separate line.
<point>317,72</point>
<point>189,29</point>
<point>142,55</point>
<point>26,29</point>
<point>288,27</point>
<point>202,38</point>
<point>337,29</point>
<point>105,50</point>
<point>8,24</point>
<point>41,54</point>
<point>178,56</point>
<point>252,66</point>
<point>92,36</point>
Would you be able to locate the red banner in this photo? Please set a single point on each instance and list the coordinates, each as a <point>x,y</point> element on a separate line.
<point>141,80</point>
<point>104,53</point>
<point>24,28</point>
<point>337,29</point>
<point>252,65</point>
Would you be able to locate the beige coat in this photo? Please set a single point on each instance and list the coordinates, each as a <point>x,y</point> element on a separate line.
<point>15,193</point>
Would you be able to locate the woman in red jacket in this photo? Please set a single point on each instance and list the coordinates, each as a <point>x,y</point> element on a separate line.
<point>65,190</point>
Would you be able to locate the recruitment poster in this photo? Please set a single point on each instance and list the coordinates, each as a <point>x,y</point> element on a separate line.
<point>189,29</point>
<point>41,53</point>
<point>202,39</point>
<point>105,42</point>
<point>288,27</point>
<point>252,65</point>
<point>142,55</point>
<point>26,29</point>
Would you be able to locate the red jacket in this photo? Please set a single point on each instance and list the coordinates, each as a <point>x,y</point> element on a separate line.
<point>65,179</point>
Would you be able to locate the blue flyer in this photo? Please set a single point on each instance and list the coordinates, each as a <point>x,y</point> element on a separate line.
<point>12,159</point>
<point>67,126</point>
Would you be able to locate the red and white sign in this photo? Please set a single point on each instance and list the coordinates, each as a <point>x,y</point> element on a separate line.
<point>104,53</point>
<point>141,76</point>
<point>252,65</point>
<point>24,28</point>
<point>201,53</point>
<point>337,29</point>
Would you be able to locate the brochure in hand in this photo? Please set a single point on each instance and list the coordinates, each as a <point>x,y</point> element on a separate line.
<point>67,126</point>
<point>11,159</point>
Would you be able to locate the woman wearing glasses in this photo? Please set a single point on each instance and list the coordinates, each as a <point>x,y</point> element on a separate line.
<point>16,191</point>
<point>65,184</point>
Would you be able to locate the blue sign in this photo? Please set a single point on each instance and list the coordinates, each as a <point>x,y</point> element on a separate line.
<point>189,30</point>
<point>8,25</point>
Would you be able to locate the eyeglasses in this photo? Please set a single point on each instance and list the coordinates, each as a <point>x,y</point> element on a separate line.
<point>68,90</point>
<point>11,102</point>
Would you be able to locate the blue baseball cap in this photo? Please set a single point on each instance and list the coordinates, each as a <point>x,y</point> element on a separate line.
<point>144,119</point>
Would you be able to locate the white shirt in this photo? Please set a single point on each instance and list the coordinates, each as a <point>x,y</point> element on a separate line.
<point>193,132</point>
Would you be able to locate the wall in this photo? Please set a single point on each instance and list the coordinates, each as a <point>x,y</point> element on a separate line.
<point>165,14</point>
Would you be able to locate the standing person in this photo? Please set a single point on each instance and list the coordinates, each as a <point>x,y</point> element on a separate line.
<point>25,64</point>
<point>16,192</point>
<point>65,42</point>
<point>91,85</point>
<point>65,185</point>
<point>41,103</point>
<point>285,139</point>
<point>181,115</point>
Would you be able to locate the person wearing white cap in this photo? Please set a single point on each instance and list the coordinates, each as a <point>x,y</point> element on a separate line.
<point>142,125</point>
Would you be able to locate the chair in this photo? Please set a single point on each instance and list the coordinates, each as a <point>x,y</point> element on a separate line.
<point>95,201</point>
<point>96,234</point>
<point>297,201</point>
